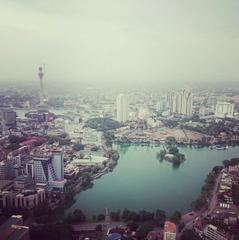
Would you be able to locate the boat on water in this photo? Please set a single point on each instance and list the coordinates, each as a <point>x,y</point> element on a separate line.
<point>220,147</point>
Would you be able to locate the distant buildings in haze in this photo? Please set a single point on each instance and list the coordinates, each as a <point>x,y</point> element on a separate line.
<point>224,109</point>
<point>181,102</point>
<point>122,108</point>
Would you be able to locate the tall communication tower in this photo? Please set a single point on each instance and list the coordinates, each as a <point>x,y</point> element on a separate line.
<point>43,98</point>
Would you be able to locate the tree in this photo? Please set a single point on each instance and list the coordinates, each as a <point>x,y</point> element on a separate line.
<point>133,226</point>
<point>173,150</point>
<point>40,210</point>
<point>144,229</point>
<point>175,217</point>
<point>76,217</point>
<point>101,217</point>
<point>161,154</point>
<point>114,155</point>
<point>102,124</point>
<point>78,147</point>
<point>125,214</point>
<point>115,216</point>
<point>235,193</point>
<point>68,192</point>
<point>86,181</point>
<point>98,228</point>
<point>94,148</point>
<point>190,234</point>
<point>160,217</point>
<point>51,232</point>
<point>170,140</point>
<point>145,216</point>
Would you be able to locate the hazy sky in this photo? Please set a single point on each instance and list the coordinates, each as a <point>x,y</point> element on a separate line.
<point>101,41</point>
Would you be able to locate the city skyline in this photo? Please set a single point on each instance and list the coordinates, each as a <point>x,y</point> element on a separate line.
<point>119,120</point>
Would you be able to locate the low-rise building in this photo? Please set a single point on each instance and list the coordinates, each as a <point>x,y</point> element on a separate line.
<point>213,233</point>
<point>170,230</point>
<point>13,229</point>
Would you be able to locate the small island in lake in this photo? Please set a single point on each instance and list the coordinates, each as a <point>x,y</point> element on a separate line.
<point>171,154</point>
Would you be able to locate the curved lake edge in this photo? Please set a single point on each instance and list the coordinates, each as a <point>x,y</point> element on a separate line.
<point>98,189</point>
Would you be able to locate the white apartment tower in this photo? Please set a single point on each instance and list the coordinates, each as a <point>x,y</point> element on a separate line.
<point>181,102</point>
<point>122,107</point>
<point>224,109</point>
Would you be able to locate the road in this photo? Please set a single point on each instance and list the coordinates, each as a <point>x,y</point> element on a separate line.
<point>189,218</point>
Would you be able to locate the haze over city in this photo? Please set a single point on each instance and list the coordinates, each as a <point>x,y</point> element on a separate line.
<point>119,120</point>
<point>158,43</point>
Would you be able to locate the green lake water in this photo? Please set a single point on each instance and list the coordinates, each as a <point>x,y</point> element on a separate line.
<point>141,182</point>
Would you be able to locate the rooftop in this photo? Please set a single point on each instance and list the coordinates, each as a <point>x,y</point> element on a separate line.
<point>169,227</point>
<point>12,229</point>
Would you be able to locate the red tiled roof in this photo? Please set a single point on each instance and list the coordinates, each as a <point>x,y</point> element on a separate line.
<point>169,227</point>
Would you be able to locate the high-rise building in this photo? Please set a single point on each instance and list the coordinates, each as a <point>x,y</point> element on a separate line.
<point>169,231</point>
<point>181,102</point>
<point>162,104</point>
<point>211,102</point>
<point>50,170</point>
<point>122,106</point>
<point>7,119</point>
<point>6,170</point>
<point>57,161</point>
<point>224,109</point>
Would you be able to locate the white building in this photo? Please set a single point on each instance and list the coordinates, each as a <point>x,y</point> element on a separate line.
<point>224,109</point>
<point>122,107</point>
<point>181,102</point>
<point>213,233</point>
<point>162,104</point>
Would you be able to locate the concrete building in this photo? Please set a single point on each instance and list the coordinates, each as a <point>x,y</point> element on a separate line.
<point>162,104</point>
<point>211,102</point>
<point>30,169</point>
<point>14,195</point>
<point>181,102</point>
<point>224,109</point>
<point>13,229</point>
<point>7,119</point>
<point>6,170</point>
<point>50,170</point>
<point>122,107</point>
<point>170,230</point>
<point>213,233</point>
<point>29,198</point>
<point>8,116</point>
